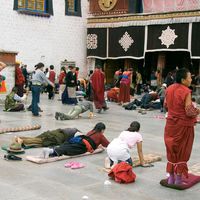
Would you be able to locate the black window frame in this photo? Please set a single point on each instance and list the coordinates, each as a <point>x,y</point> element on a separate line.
<point>47,12</point>
<point>77,9</point>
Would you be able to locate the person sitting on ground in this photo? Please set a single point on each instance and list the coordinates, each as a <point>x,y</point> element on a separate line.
<point>146,101</point>
<point>48,138</point>
<point>161,94</point>
<point>119,149</point>
<point>113,94</point>
<point>13,102</point>
<point>82,107</point>
<point>80,144</point>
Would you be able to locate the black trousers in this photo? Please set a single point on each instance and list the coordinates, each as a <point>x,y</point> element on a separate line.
<point>50,91</point>
<point>70,149</point>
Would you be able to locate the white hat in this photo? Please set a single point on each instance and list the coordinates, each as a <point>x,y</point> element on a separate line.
<point>164,85</point>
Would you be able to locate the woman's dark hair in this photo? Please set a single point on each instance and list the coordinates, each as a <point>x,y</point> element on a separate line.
<point>181,74</point>
<point>39,65</point>
<point>64,69</point>
<point>134,126</point>
<point>99,127</point>
<point>51,67</point>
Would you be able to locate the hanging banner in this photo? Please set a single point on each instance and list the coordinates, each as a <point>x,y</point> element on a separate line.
<point>96,42</point>
<point>172,37</point>
<point>126,42</point>
<point>195,48</point>
<point>156,6</point>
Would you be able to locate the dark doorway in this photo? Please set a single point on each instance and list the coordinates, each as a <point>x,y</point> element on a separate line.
<point>173,59</point>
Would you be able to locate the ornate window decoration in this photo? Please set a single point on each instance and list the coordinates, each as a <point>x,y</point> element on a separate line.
<point>34,7</point>
<point>73,7</point>
<point>92,42</point>
<point>168,37</point>
<point>126,41</point>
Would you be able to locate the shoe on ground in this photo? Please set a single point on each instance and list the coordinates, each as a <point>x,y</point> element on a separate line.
<point>99,110</point>
<point>57,115</point>
<point>107,108</point>
<point>37,115</point>
<point>12,157</point>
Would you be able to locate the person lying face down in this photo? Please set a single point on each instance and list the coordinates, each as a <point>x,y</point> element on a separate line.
<point>80,144</point>
<point>48,138</point>
<point>119,149</point>
<point>82,107</point>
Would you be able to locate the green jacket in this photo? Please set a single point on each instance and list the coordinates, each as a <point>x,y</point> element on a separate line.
<point>56,137</point>
<point>10,102</point>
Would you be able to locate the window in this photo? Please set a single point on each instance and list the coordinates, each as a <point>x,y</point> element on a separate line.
<point>36,7</point>
<point>135,6</point>
<point>73,7</point>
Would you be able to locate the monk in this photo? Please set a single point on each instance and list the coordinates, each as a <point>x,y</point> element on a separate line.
<point>124,93</point>
<point>97,82</point>
<point>179,129</point>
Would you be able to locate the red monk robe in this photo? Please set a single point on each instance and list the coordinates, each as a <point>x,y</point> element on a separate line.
<point>113,94</point>
<point>97,82</point>
<point>179,129</point>
<point>124,94</point>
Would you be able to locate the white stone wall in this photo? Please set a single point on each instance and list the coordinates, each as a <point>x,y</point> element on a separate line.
<point>49,40</point>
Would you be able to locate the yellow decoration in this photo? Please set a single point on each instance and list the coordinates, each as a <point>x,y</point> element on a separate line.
<point>107,5</point>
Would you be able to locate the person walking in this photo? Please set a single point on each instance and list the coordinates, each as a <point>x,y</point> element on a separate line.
<point>97,81</point>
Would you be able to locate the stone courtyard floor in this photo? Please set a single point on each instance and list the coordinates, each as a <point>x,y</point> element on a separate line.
<point>28,181</point>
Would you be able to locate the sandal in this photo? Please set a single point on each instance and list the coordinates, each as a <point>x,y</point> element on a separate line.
<point>12,157</point>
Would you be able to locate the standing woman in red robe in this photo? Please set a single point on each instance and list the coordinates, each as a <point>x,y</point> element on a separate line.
<point>179,129</point>
<point>124,92</point>
<point>97,81</point>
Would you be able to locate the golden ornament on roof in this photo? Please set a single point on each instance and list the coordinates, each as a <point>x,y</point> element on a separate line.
<point>107,5</point>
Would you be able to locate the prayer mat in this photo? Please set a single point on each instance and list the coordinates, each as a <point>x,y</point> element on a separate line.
<point>187,182</point>
<point>149,158</point>
<point>40,160</point>
<point>20,128</point>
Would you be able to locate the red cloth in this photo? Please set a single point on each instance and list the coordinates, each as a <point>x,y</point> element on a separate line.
<point>122,173</point>
<point>97,82</point>
<point>62,77</point>
<point>19,77</point>
<point>113,94</point>
<point>3,87</point>
<point>98,138</point>
<point>179,130</point>
<point>124,91</point>
<point>52,76</point>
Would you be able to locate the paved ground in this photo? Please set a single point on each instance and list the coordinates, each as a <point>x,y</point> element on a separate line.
<point>28,181</point>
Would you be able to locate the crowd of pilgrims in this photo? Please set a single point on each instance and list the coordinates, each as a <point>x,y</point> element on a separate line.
<point>175,94</point>
<point>128,88</point>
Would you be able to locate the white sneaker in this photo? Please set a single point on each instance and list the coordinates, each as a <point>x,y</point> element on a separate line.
<point>46,152</point>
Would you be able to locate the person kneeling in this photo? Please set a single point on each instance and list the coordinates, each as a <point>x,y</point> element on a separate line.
<point>119,149</point>
<point>13,102</point>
